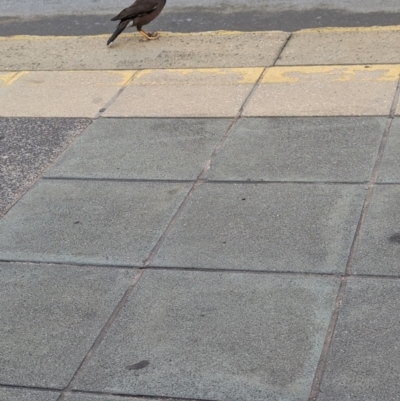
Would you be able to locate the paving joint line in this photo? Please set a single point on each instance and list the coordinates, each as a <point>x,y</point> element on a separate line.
<point>280,273</point>
<point>152,254</point>
<point>125,298</point>
<point>334,65</point>
<point>316,116</point>
<point>116,96</point>
<point>56,159</point>
<point>72,264</point>
<point>208,181</point>
<point>111,179</point>
<point>204,270</point>
<point>34,388</point>
<point>170,117</point>
<point>199,179</point>
<point>373,181</point>
<point>244,271</point>
<point>315,389</point>
<point>119,396</point>
<point>283,48</point>
<point>249,96</point>
<point>269,182</point>
<point>202,67</point>
<point>359,116</point>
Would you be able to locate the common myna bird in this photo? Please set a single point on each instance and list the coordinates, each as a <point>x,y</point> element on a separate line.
<point>140,13</point>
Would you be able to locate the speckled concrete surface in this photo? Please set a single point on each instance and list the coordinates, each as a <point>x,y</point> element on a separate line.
<point>95,397</point>
<point>69,94</point>
<point>390,168</point>
<point>357,90</point>
<point>300,149</point>
<point>364,361</point>
<point>215,336</point>
<point>14,394</point>
<point>207,49</point>
<point>27,147</point>
<point>274,227</point>
<point>342,46</point>
<point>379,251</point>
<point>142,148</point>
<point>202,92</point>
<point>51,315</point>
<point>237,293</point>
<point>90,222</point>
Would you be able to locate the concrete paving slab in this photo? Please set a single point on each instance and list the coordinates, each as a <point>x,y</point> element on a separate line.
<point>93,397</point>
<point>194,50</point>
<point>190,342</point>
<point>212,92</point>
<point>274,227</point>
<point>143,149</point>
<point>379,251</point>
<point>364,45</point>
<point>364,362</point>
<point>11,394</point>
<point>300,149</point>
<point>325,91</point>
<point>390,167</point>
<point>51,317</point>
<point>60,93</point>
<point>28,147</point>
<point>89,222</point>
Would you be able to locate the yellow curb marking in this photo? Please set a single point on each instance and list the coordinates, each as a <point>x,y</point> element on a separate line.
<point>364,29</point>
<point>134,34</point>
<point>125,76</point>
<point>360,29</point>
<point>367,73</point>
<point>244,75</point>
<point>190,76</point>
<point>9,78</point>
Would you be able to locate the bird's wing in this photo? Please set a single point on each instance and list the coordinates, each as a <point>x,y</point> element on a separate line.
<point>138,8</point>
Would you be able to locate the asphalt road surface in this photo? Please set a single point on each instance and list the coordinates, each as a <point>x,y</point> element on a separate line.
<point>74,17</point>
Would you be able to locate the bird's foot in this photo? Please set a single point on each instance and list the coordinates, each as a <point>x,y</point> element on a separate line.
<point>149,35</point>
<point>153,35</point>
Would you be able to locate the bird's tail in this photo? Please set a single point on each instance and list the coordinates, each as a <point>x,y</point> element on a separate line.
<point>121,26</point>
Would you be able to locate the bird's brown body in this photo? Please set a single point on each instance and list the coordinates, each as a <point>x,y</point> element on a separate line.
<point>140,13</point>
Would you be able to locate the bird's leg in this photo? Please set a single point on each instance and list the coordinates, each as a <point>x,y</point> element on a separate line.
<point>149,36</point>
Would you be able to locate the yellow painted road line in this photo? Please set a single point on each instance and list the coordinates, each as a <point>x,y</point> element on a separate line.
<point>223,76</point>
<point>59,93</point>
<point>9,78</point>
<point>202,92</point>
<point>360,29</point>
<point>198,76</point>
<point>347,73</point>
<point>127,35</point>
<point>391,28</point>
<point>355,90</point>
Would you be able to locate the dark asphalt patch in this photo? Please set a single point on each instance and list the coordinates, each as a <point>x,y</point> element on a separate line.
<point>199,20</point>
<point>28,146</point>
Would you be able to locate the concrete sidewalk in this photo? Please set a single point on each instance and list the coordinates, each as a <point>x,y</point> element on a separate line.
<point>204,217</point>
